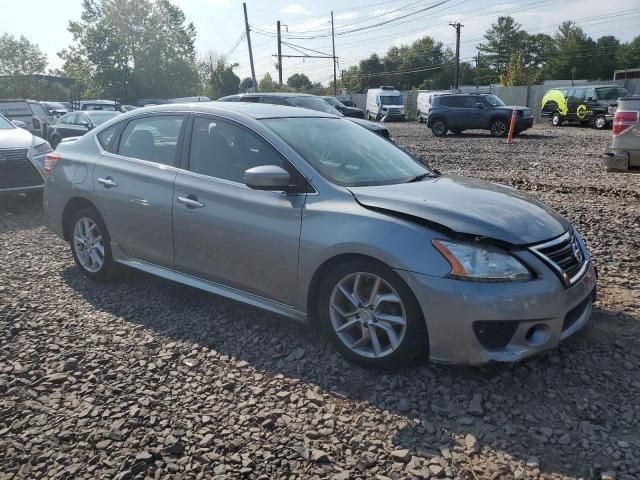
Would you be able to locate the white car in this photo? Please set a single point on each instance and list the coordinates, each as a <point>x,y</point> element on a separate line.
<point>384,103</point>
<point>22,157</point>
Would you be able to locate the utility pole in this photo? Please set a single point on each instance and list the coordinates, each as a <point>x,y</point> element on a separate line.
<point>333,43</point>
<point>478,71</point>
<point>279,55</point>
<point>246,26</point>
<point>457,26</point>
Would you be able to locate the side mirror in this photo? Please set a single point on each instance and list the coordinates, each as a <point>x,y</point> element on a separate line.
<point>85,125</point>
<point>267,177</point>
<point>591,99</point>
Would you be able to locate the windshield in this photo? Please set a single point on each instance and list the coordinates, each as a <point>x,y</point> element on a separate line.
<point>5,124</point>
<point>391,100</point>
<point>100,118</point>
<point>611,93</point>
<point>493,100</point>
<point>314,103</point>
<point>334,102</point>
<point>346,153</point>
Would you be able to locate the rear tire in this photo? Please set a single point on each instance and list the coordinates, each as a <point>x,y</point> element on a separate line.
<point>419,117</point>
<point>55,141</point>
<point>499,128</point>
<point>91,245</point>
<point>439,128</point>
<point>600,122</point>
<point>391,313</point>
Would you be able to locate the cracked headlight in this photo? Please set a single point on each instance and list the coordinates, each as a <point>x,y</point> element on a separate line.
<point>481,263</point>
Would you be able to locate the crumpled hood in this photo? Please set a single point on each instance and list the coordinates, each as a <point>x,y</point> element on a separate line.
<point>15,138</point>
<point>469,206</point>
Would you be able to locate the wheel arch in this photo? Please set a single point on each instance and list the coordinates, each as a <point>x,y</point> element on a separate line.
<point>72,206</point>
<point>322,270</point>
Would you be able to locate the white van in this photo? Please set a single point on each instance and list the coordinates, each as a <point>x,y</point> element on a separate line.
<point>384,103</point>
<point>30,112</point>
<point>424,102</point>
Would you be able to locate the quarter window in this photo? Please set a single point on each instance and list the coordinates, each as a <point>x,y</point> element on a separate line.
<point>222,149</point>
<point>105,137</point>
<point>152,138</point>
<point>69,119</point>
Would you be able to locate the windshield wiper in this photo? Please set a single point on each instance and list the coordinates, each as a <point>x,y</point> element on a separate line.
<point>422,176</point>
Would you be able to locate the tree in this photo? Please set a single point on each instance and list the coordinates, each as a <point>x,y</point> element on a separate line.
<point>246,84</point>
<point>20,56</point>
<point>516,73</point>
<point>504,36</point>
<point>133,49</point>
<point>628,54</point>
<point>573,53</point>
<point>223,81</point>
<point>299,82</point>
<point>370,70</point>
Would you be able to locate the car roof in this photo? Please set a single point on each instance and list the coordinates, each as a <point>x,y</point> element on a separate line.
<point>271,94</point>
<point>97,112</point>
<point>250,109</point>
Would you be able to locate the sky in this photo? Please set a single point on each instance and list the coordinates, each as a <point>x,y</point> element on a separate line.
<point>220,24</point>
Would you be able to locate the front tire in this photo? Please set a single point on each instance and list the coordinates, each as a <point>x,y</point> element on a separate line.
<point>499,128</point>
<point>419,117</point>
<point>556,119</point>
<point>91,244</point>
<point>439,128</point>
<point>371,316</point>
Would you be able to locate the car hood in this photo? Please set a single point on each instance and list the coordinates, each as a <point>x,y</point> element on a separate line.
<point>15,138</point>
<point>468,206</point>
<point>367,124</point>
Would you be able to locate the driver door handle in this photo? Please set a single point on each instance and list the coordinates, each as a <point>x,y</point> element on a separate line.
<point>107,182</point>
<point>191,201</point>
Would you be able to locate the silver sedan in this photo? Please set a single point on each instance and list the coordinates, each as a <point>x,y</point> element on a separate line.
<point>314,217</point>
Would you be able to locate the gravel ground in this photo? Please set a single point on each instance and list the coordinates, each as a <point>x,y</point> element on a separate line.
<point>143,378</point>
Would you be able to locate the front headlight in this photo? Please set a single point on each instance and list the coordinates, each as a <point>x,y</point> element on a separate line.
<point>612,110</point>
<point>481,263</point>
<point>41,149</point>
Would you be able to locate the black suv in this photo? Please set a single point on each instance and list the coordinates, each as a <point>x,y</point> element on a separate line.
<point>459,112</point>
<point>304,100</point>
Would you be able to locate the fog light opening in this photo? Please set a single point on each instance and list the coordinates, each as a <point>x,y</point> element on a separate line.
<point>537,335</point>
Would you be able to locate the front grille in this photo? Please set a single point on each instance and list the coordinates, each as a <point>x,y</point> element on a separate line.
<point>16,171</point>
<point>495,334</point>
<point>565,256</point>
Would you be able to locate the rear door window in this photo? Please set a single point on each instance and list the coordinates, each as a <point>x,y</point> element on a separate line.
<point>455,102</point>
<point>70,119</point>
<point>153,138</point>
<point>37,109</point>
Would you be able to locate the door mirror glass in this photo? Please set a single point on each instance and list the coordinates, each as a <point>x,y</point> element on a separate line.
<point>267,177</point>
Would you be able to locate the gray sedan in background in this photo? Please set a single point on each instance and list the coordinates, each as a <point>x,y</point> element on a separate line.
<point>308,215</point>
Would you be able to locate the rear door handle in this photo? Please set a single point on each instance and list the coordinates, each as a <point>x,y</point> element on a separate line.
<point>107,182</point>
<point>191,201</point>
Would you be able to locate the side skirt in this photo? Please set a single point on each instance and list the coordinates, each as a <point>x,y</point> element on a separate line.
<point>211,287</point>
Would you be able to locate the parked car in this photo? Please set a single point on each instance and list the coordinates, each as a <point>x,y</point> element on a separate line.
<point>384,103</point>
<point>303,100</point>
<point>307,215</point>
<point>76,124</point>
<point>343,109</point>
<point>55,109</point>
<point>189,99</point>
<point>102,105</point>
<point>30,112</point>
<point>147,102</point>
<point>459,112</point>
<point>424,103</point>
<point>593,105</point>
<point>22,158</point>
<point>347,100</point>
<point>624,152</point>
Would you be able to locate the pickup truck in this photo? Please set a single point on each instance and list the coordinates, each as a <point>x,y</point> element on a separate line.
<point>624,152</point>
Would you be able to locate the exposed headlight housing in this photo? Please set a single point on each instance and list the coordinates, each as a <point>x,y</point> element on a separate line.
<point>481,263</point>
<point>41,148</point>
<point>612,110</point>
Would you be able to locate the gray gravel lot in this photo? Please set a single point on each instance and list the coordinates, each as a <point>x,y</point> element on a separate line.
<point>143,378</point>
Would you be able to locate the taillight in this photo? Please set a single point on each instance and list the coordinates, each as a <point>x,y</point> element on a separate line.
<point>623,121</point>
<point>50,161</point>
<point>36,124</point>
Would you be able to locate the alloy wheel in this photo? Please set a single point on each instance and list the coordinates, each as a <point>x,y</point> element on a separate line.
<point>600,122</point>
<point>88,244</point>
<point>438,128</point>
<point>367,315</point>
<point>498,129</point>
